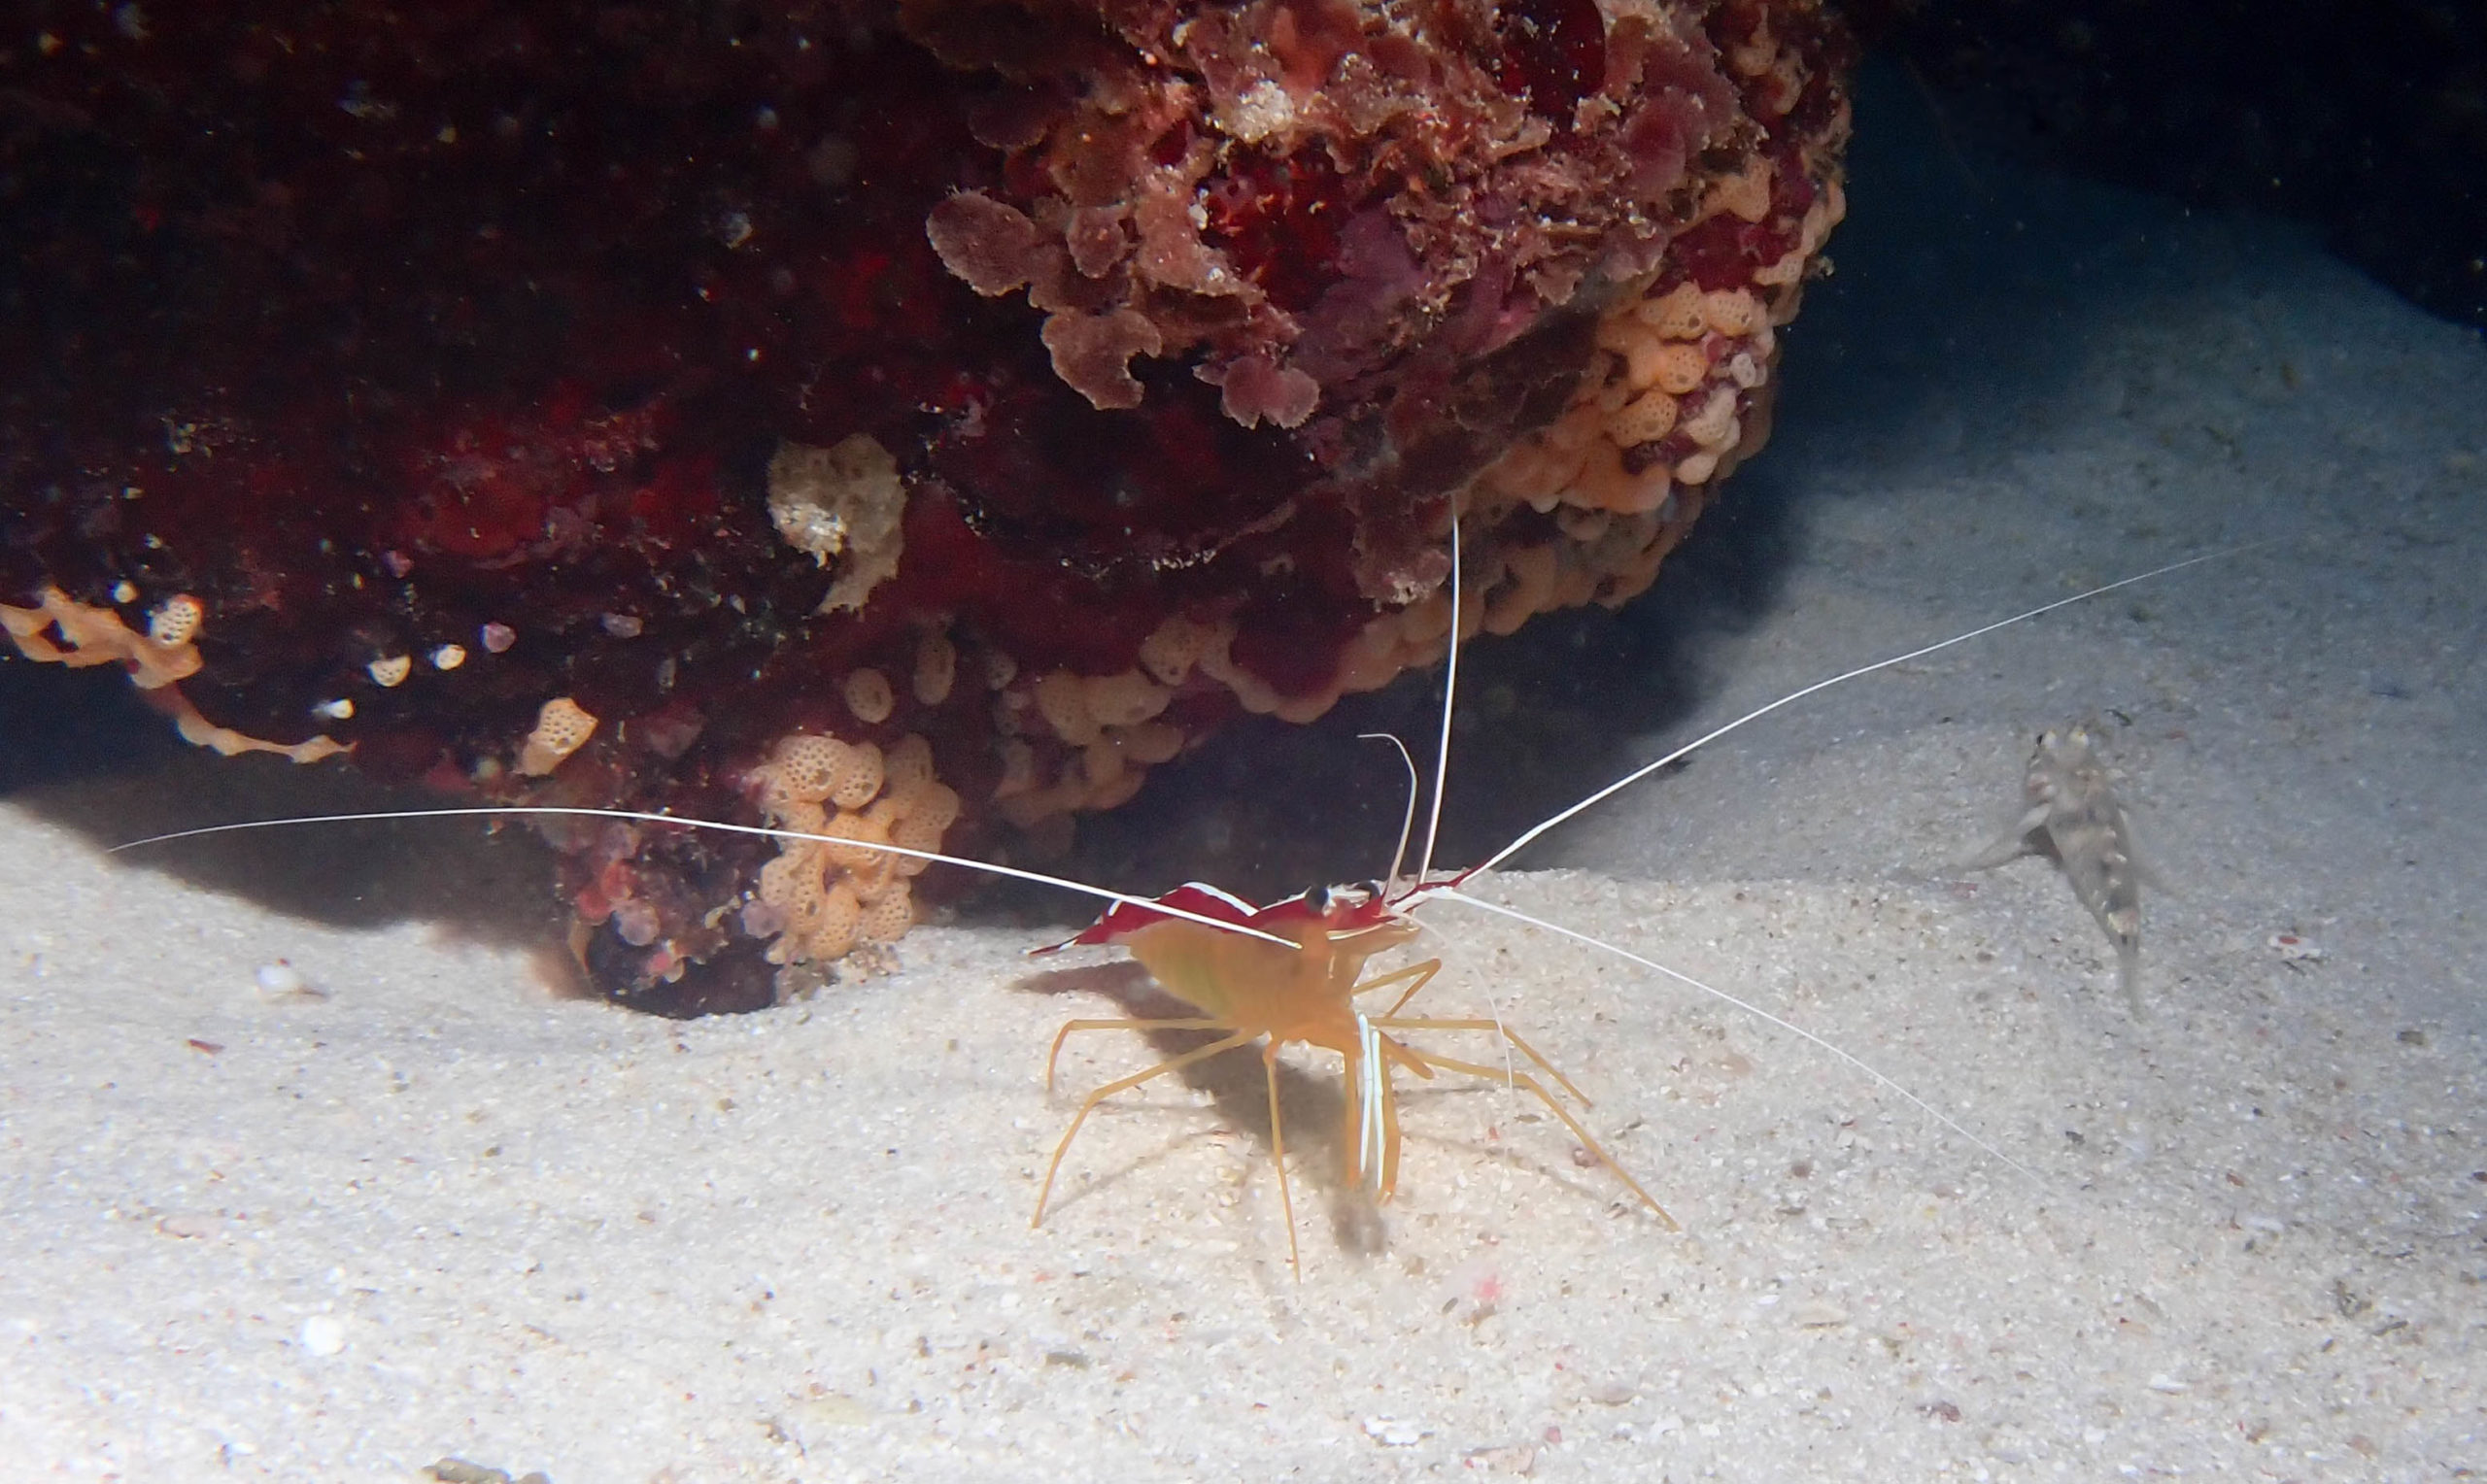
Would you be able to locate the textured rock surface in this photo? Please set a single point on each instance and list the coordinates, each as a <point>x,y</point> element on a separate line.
<point>598,406</point>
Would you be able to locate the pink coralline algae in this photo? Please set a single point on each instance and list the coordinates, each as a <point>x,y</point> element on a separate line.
<point>913,422</point>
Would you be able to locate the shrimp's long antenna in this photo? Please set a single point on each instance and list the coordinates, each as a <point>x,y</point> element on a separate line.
<point>1421,893</point>
<point>1530,837</point>
<point>643,816</point>
<point>1750,1008</point>
<point>1408,822</point>
<point>1441,776</point>
<point>1450,699</point>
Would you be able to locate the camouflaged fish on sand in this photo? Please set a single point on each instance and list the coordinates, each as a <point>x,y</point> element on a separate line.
<point>2075,820</point>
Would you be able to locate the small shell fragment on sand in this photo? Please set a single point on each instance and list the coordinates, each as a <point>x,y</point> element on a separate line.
<point>280,980</point>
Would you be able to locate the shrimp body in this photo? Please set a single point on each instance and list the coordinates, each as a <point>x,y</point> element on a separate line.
<point>1302,989</point>
<point>1299,993</point>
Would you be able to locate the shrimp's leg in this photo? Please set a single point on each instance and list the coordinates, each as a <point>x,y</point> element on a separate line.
<point>1524,1080</point>
<point>1428,1023</point>
<point>1069,1026</point>
<point>1278,1155</point>
<point>1125,1084</point>
<point>1421,973</point>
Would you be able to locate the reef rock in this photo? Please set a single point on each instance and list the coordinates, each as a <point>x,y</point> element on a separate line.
<point>621,405</point>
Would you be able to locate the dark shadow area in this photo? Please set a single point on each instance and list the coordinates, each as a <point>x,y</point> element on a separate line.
<point>1966,298</point>
<point>80,750</point>
<point>1266,810</point>
<point>59,726</point>
<point>2368,121</point>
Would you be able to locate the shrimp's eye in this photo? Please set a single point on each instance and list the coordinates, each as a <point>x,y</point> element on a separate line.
<point>1329,902</point>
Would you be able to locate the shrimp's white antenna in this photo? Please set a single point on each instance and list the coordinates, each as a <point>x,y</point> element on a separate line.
<point>1441,775</point>
<point>1407,823</point>
<point>1748,1006</point>
<point>1530,837</point>
<point>1423,893</point>
<point>722,827</point>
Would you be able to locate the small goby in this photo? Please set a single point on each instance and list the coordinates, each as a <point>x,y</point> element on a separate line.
<point>2075,820</point>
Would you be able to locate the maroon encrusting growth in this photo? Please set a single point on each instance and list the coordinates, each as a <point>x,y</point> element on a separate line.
<point>448,358</point>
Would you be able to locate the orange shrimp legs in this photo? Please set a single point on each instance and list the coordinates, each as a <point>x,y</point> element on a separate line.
<point>1253,988</point>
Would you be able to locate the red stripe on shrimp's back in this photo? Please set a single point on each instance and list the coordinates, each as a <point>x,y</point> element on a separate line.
<point>1125,918</point>
<point>1337,908</point>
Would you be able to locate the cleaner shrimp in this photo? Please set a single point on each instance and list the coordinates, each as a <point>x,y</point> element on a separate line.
<point>1293,971</point>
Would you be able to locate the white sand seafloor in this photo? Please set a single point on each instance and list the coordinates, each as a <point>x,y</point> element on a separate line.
<point>434,1211</point>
